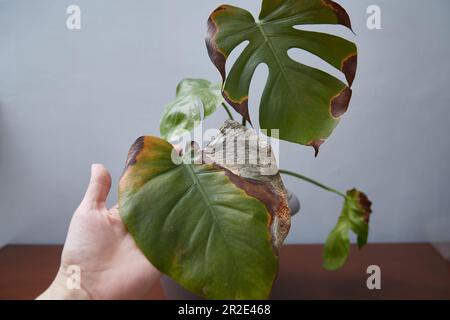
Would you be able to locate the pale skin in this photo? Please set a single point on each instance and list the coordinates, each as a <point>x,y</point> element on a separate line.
<point>111,265</point>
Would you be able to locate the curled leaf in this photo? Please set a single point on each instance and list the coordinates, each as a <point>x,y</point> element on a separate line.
<point>210,229</point>
<point>252,158</point>
<point>354,217</point>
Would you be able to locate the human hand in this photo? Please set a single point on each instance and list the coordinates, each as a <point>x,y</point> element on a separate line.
<point>111,265</point>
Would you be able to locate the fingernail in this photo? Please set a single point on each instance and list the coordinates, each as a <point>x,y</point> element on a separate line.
<point>94,166</point>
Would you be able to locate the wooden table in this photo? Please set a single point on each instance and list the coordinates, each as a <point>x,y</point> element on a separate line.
<point>408,271</point>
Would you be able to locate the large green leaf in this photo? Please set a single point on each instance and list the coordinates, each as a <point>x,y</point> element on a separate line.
<point>194,97</point>
<point>207,228</point>
<point>303,102</point>
<point>354,217</point>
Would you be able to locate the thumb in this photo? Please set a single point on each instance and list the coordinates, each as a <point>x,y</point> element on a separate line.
<point>99,185</point>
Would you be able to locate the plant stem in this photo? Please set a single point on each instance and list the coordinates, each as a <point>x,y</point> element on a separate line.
<point>228,111</point>
<point>244,122</point>
<point>318,184</point>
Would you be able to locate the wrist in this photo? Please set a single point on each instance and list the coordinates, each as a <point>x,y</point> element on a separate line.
<point>65,286</point>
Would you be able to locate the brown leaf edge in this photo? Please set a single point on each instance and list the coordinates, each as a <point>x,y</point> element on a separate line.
<point>338,104</point>
<point>363,202</point>
<point>219,58</point>
<point>274,201</point>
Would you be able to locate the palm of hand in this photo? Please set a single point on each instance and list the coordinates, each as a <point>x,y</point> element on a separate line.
<point>111,265</point>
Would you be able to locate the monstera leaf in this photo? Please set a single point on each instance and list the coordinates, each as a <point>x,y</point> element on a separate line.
<point>304,103</point>
<point>214,232</point>
<point>354,217</point>
<point>194,97</point>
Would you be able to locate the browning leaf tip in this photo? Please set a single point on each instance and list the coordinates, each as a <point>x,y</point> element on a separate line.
<point>240,106</point>
<point>341,14</point>
<point>316,145</point>
<point>363,201</point>
<point>366,204</point>
<point>135,149</point>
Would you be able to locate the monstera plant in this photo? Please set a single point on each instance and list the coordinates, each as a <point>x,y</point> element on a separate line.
<point>217,227</point>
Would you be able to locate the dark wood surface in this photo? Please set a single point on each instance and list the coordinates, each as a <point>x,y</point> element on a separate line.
<point>408,271</point>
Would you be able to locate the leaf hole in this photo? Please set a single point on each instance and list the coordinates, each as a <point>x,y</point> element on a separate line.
<point>311,60</point>
<point>257,85</point>
<point>234,55</point>
<point>335,30</point>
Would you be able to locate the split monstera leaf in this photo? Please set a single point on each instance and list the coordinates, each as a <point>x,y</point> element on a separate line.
<point>304,103</point>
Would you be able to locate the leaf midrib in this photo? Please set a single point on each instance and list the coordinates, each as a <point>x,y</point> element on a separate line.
<point>275,54</point>
<point>196,181</point>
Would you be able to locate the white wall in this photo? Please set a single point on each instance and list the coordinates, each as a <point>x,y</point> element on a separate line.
<point>71,98</point>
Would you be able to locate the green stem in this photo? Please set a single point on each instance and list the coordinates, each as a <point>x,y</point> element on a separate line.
<point>228,111</point>
<point>302,177</point>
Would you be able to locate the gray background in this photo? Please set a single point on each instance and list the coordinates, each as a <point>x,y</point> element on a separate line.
<point>71,98</point>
